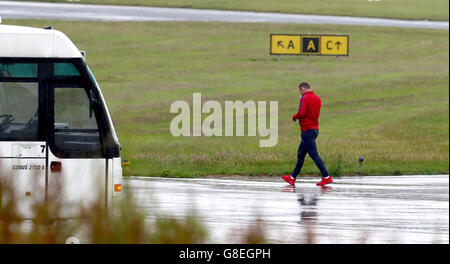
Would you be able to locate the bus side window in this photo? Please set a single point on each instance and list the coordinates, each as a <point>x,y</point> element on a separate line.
<point>18,111</point>
<point>19,97</point>
<point>76,130</point>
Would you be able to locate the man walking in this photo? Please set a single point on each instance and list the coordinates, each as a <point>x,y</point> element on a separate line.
<point>308,116</point>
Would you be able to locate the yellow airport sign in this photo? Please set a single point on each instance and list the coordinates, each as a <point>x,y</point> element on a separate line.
<point>284,44</point>
<point>290,44</point>
<point>334,45</point>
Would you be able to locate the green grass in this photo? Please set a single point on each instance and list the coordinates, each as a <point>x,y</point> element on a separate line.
<point>405,9</point>
<point>388,101</point>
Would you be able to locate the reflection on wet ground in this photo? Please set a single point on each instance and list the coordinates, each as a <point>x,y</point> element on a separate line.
<point>373,209</point>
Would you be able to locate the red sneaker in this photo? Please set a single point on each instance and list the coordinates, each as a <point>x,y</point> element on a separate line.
<point>325,181</point>
<point>288,179</point>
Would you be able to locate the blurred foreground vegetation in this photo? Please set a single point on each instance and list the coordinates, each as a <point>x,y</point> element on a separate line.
<point>125,225</point>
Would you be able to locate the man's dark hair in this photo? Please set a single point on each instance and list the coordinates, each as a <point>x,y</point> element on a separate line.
<point>304,85</point>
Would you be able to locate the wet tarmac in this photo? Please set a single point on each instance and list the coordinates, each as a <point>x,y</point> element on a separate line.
<point>372,209</point>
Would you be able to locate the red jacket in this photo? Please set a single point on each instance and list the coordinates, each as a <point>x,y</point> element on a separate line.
<point>308,111</point>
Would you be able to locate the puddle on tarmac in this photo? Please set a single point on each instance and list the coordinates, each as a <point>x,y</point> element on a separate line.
<point>373,209</point>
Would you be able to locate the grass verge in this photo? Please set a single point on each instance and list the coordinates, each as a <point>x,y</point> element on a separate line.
<point>387,102</point>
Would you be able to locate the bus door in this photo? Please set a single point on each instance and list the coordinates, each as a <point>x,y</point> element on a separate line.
<point>77,168</point>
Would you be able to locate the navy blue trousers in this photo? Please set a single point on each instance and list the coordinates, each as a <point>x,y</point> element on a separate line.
<point>308,146</point>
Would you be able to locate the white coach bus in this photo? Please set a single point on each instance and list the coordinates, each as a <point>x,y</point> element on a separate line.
<point>57,139</point>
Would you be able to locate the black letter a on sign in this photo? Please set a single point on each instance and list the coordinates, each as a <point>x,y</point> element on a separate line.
<point>291,45</point>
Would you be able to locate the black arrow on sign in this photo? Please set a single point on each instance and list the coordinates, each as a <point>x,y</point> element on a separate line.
<point>280,44</point>
<point>338,44</point>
